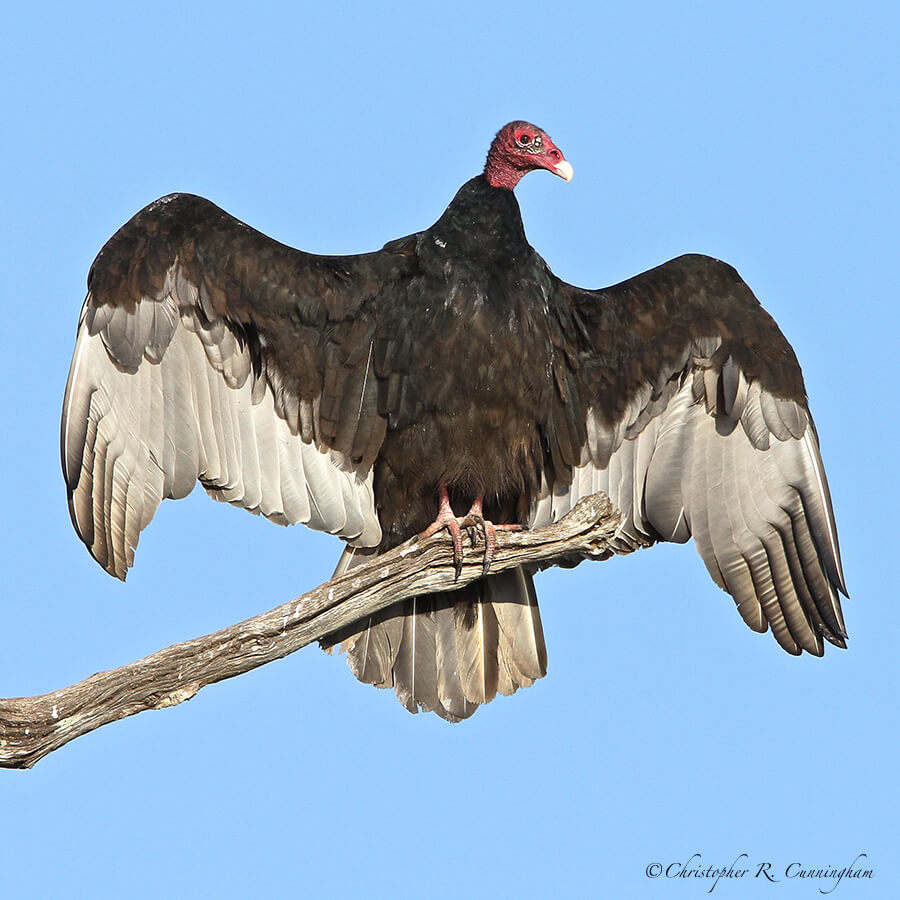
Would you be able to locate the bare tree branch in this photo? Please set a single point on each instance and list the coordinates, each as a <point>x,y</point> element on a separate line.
<point>32,727</point>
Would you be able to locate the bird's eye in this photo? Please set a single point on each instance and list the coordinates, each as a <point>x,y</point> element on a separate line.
<point>524,139</point>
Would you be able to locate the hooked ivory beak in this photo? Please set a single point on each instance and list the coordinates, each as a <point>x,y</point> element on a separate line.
<point>564,170</point>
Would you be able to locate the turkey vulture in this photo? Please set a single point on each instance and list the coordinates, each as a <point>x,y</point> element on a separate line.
<point>376,396</point>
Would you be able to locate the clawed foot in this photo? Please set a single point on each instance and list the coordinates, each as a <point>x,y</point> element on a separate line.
<point>473,521</point>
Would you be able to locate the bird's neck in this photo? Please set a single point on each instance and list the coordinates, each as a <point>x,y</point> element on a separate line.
<point>483,220</point>
<point>499,173</point>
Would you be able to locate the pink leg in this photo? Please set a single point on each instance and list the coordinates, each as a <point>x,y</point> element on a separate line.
<point>446,518</point>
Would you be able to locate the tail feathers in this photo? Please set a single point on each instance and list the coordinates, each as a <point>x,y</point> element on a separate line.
<point>448,653</point>
<point>522,651</point>
<point>415,668</point>
<point>477,643</point>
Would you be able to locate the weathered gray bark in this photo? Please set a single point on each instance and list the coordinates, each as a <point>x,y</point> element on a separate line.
<point>32,727</point>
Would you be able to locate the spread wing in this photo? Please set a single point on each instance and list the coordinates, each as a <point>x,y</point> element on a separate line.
<point>697,424</point>
<point>207,351</point>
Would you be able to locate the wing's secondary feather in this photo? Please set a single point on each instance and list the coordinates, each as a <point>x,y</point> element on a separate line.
<point>133,438</point>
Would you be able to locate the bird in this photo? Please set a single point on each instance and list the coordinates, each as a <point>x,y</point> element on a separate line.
<point>449,380</point>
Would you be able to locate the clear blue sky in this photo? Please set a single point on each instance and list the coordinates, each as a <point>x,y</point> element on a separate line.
<point>765,134</point>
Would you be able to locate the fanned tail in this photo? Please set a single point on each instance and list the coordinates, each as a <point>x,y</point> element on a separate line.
<point>449,652</point>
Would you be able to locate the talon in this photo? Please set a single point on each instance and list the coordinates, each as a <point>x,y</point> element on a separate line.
<point>456,535</point>
<point>472,522</point>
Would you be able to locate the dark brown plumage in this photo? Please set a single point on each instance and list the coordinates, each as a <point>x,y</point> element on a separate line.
<point>345,392</point>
